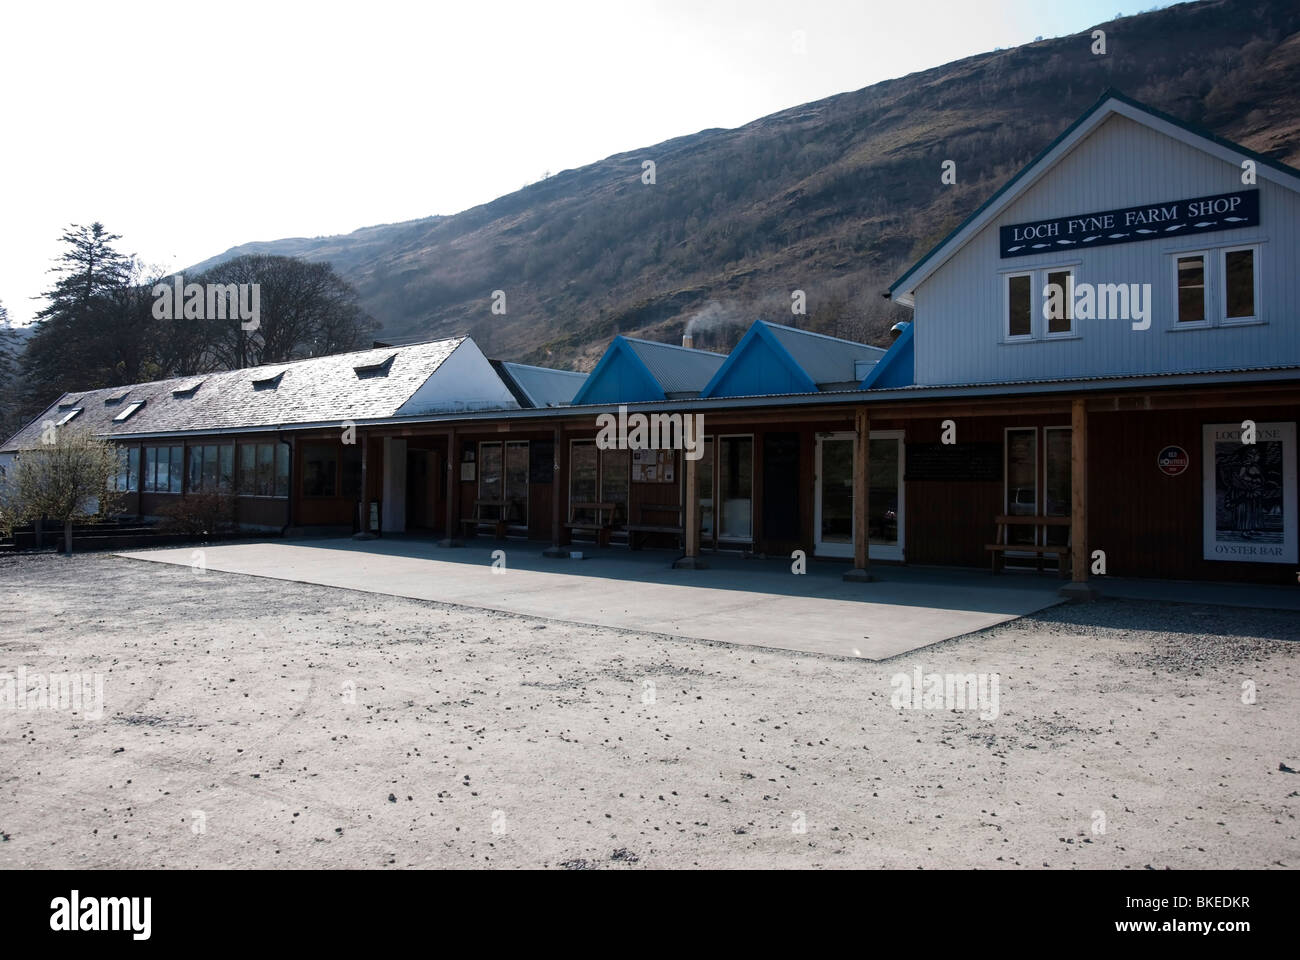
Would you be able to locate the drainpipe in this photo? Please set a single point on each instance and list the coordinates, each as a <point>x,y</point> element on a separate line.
<point>289,503</point>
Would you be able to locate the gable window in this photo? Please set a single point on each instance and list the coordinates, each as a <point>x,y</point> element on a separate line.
<point>163,469</point>
<point>1046,293</point>
<point>1059,298</point>
<point>1240,284</point>
<point>1190,271</point>
<point>1020,305</point>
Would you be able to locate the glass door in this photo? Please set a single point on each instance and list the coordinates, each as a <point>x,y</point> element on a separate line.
<point>834,513</point>
<point>1021,497</point>
<point>834,495</point>
<point>735,488</point>
<point>885,497</point>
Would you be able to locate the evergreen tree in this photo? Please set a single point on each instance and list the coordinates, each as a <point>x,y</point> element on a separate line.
<point>72,345</point>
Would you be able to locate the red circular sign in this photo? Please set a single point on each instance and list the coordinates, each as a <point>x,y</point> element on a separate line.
<point>1172,461</point>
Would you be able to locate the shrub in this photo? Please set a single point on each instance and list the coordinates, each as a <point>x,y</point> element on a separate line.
<point>199,515</point>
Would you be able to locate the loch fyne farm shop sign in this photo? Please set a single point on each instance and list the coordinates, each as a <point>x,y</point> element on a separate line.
<point>1225,211</point>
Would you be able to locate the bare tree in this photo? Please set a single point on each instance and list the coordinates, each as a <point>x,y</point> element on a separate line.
<point>306,310</point>
<point>65,480</point>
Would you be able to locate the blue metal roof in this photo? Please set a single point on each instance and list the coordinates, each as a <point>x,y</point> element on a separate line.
<point>544,386</point>
<point>633,370</point>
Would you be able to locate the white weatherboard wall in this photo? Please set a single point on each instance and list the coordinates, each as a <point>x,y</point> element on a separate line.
<point>394,505</point>
<point>959,310</point>
<point>464,381</point>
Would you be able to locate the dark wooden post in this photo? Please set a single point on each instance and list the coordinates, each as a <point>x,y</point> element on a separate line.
<point>449,538</point>
<point>1079,588</point>
<point>363,526</point>
<point>559,497</point>
<point>861,572</point>
<point>691,514</point>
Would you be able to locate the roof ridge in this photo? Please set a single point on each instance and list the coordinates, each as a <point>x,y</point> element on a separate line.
<point>824,336</point>
<point>671,346</point>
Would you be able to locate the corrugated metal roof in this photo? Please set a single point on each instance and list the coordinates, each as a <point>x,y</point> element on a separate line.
<point>828,361</point>
<point>543,386</point>
<point>681,371</point>
<point>309,391</point>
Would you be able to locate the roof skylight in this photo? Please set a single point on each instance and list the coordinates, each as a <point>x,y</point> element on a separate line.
<point>130,410</point>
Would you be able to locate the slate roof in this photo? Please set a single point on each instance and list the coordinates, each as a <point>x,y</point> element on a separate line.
<point>316,390</point>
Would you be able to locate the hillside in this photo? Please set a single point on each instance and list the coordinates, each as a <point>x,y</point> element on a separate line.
<point>834,197</point>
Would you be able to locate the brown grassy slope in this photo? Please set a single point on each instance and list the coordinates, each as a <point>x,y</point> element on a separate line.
<point>835,197</point>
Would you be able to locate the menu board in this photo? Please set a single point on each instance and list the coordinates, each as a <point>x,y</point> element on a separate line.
<point>653,466</point>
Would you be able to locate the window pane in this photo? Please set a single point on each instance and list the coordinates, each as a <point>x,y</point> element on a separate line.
<point>196,469</point>
<point>489,478</point>
<point>281,470</point>
<point>264,482</point>
<point>615,468</point>
<point>177,471</point>
<point>227,466</point>
<point>517,482</point>
<point>319,466</point>
<point>1019,296</point>
<point>247,469</point>
<point>147,483</point>
<point>1061,324</point>
<point>837,489</point>
<point>582,474</point>
<point>1022,481</point>
<point>882,497</point>
<point>1191,289</point>
<point>208,478</point>
<point>704,483</point>
<point>1239,277</point>
<point>1057,477</point>
<point>735,485</point>
<point>351,471</point>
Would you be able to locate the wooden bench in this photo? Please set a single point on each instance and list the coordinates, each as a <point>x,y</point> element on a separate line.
<point>999,550</point>
<point>600,524</point>
<point>471,524</point>
<point>637,530</point>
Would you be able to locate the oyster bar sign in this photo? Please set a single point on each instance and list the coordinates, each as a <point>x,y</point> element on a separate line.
<point>1224,211</point>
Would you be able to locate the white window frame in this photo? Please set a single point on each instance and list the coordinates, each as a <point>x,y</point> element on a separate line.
<point>1069,302</point>
<point>1038,324</point>
<point>1223,317</point>
<point>717,486</point>
<point>1037,473</point>
<point>1007,335</point>
<point>1206,269</point>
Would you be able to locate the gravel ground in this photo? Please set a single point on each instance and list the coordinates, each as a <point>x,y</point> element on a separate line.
<point>261,723</point>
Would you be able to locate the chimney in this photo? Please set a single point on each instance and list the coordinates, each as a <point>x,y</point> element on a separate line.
<point>688,341</point>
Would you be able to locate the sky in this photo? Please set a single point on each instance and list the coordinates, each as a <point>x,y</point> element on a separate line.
<point>190,128</point>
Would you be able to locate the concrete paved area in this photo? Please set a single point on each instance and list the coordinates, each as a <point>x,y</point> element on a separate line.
<point>1257,595</point>
<point>742,601</point>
